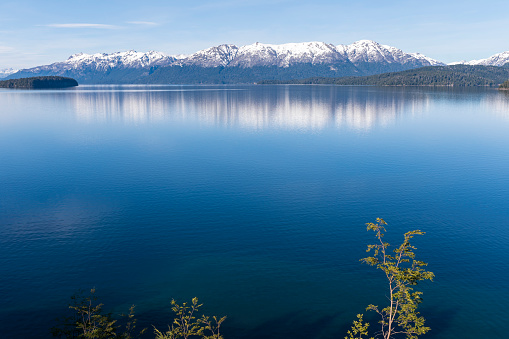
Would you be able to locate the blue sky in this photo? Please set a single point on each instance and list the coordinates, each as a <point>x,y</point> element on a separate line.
<point>41,32</point>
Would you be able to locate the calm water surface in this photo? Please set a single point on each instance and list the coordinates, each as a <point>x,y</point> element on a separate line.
<point>254,199</point>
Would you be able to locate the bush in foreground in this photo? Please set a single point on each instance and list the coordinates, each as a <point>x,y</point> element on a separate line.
<point>87,320</point>
<point>399,318</point>
<point>402,272</point>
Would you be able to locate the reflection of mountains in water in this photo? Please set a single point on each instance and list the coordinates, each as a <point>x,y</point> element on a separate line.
<point>499,103</point>
<point>254,107</point>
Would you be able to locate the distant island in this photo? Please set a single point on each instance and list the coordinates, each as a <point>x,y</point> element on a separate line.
<point>40,82</point>
<point>456,75</point>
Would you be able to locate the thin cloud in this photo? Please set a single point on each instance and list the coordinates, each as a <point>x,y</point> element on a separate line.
<point>145,23</point>
<point>81,25</point>
<point>237,3</point>
<point>6,49</point>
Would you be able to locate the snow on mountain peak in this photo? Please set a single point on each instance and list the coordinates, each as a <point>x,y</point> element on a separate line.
<point>285,55</point>
<point>215,56</point>
<point>6,72</point>
<point>359,53</point>
<point>462,62</point>
<point>76,55</point>
<point>369,51</point>
<point>499,59</point>
<point>423,58</point>
<point>365,42</point>
<point>126,59</point>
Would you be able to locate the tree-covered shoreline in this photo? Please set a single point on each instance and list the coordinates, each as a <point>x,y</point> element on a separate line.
<point>39,82</point>
<point>451,76</point>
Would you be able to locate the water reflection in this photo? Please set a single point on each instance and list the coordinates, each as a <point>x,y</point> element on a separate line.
<point>498,102</point>
<point>252,107</point>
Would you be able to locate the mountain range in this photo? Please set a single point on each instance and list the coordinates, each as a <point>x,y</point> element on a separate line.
<point>246,64</point>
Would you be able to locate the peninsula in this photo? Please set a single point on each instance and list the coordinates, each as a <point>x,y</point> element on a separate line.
<point>40,82</point>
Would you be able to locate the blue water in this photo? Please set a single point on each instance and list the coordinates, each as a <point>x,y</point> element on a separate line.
<point>254,199</point>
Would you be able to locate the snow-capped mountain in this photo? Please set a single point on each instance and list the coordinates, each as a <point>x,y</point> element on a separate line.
<point>372,52</point>
<point>256,54</point>
<point>499,59</point>
<point>285,55</point>
<point>104,62</point>
<point>216,56</point>
<point>312,58</point>
<point>129,59</point>
<point>6,72</point>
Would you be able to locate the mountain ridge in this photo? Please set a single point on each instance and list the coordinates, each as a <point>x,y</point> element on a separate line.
<point>257,54</point>
<point>499,59</point>
<point>228,63</point>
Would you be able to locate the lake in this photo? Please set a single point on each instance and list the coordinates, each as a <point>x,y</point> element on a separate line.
<point>253,199</point>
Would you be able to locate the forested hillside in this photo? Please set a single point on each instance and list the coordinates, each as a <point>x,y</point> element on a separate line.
<point>457,75</point>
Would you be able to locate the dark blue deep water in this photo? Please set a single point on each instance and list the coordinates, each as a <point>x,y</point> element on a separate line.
<point>254,199</point>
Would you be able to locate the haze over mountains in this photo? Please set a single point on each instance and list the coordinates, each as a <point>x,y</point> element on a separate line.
<point>6,72</point>
<point>246,64</point>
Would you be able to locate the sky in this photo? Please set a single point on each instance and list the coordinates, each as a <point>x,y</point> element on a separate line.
<point>35,32</point>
